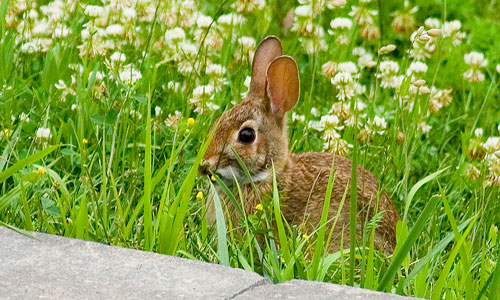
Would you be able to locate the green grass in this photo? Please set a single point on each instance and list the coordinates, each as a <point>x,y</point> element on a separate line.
<point>115,172</point>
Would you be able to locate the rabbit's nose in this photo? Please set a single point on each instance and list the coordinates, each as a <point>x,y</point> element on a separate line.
<point>204,168</point>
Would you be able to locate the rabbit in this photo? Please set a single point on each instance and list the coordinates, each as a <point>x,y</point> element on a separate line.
<point>256,129</point>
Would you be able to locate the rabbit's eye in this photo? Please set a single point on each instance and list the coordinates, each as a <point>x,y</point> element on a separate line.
<point>246,135</point>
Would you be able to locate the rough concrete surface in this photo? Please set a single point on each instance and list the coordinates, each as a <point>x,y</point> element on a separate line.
<point>62,268</point>
<point>301,289</point>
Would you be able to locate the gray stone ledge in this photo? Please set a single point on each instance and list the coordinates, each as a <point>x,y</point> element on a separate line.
<point>57,267</point>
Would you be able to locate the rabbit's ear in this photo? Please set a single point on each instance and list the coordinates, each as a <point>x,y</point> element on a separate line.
<point>283,85</point>
<point>268,49</point>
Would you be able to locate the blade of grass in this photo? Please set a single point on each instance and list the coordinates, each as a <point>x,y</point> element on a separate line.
<point>435,251</point>
<point>279,219</point>
<point>18,230</point>
<point>318,251</point>
<point>177,211</point>
<point>438,287</point>
<point>27,161</point>
<point>416,187</point>
<point>148,221</point>
<point>495,282</point>
<point>222,251</point>
<point>399,257</point>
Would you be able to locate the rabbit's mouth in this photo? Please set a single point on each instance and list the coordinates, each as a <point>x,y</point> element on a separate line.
<point>229,174</point>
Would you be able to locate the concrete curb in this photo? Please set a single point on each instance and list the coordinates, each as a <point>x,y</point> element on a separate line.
<point>57,267</point>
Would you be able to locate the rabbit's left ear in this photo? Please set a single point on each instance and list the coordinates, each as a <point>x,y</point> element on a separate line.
<point>283,85</point>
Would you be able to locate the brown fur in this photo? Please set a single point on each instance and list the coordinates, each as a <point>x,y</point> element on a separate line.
<point>302,178</point>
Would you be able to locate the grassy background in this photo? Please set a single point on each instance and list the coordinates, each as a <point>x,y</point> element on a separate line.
<point>134,182</point>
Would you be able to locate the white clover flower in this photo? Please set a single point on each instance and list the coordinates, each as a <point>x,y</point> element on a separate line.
<point>416,67</point>
<point>176,34</point>
<point>303,11</point>
<point>347,67</point>
<point>366,61</point>
<point>129,13</point>
<point>478,132</point>
<point>41,27</point>
<point>475,59</point>
<point>246,83</point>
<point>492,144</point>
<point>99,76</point>
<point>330,120</point>
<point>118,57</point>
<point>378,125</point>
<point>389,67</point>
<point>432,23</point>
<point>314,112</point>
<point>203,90</point>
<point>498,68</point>
<point>201,101</point>
<point>341,24</point>
<point>185,67</point>
<point>24,117</point>
<point>297,117</point>
<point>388,73</point>
<point>230,18</point>
<point>474,75</point>
<point>31,47</point>
<point>60,85</point>
<point>249,6</point>
<point>33,14</point>
<point>43,133</point>
<point>74,107</point>
<point>61,32</point>
<point>172,85</point>
<point>247,42</point>
<point>94,11</point>
<point>449,28</point>
<point>246,49</point>
<point>188,49</point>
<point>158,111</point>
<point>424,127</point>
<point>332,4</point>
<point>416,70</point>
<point>85,34</point>
<point>439,98</point>
<point>130,75</point>
<point>452,30</point>
<point>337,146</point>
<point>135,114</point>
<point>476,62</point>
<point>215,70</point>
<point>345,85</point>
<point>313,46</point>
<point>115,30</point>
<point>330,134</point>
<point>203,21</point>
<point>359,51</point>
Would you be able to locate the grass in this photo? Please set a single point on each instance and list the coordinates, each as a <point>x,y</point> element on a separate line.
<point>113,171</point>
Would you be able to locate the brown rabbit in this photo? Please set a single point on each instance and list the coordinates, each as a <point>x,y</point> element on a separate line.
<point>256,129</point>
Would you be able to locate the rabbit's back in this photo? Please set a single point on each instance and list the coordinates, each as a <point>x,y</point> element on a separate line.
<point>304,182</point>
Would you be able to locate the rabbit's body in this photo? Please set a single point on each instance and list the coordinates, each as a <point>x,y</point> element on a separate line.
<point>303,204</point>
<point>256,129</point>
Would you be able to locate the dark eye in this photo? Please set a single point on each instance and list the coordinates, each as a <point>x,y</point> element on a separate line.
<point>246,135</point>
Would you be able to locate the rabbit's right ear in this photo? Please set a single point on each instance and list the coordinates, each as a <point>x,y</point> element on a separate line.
<point>266,52</point>
<point>283,85</point>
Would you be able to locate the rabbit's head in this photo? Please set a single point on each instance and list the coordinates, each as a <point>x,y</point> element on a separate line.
<point>256,128</point>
